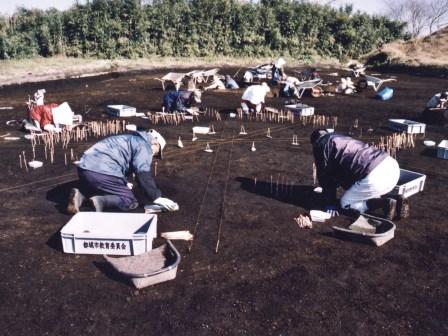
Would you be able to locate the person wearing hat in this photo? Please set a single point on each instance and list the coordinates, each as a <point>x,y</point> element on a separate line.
<point>104,168</point>
<point>365,172</point>
<point>216,84</point>
<point>230,83</point>
<point>290,87</point>
<point>439,100</point>
<point>181,101</point>
<point>278,71</point>
<point>49,117</point>
<point>253,98</point>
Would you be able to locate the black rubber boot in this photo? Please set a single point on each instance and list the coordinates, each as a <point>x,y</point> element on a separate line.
<point>75,201</point>
<point>105,202</point>
<point>389,206</point>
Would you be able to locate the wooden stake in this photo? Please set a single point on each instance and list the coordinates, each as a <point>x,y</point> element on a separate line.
<point>24,161</point>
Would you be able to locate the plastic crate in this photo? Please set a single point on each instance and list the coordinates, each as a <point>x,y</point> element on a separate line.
<point>109,233</point>
<point>442,150</point>
<point>300,109</point>
<point>408,126</point>
<point>367,229</point>
<point>410,183</point>
<point>385,94</point>
<point>201,130</point>
<point>121,110</point>
<point>150,268</point>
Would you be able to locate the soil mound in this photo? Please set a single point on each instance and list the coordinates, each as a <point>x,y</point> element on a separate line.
<point>430,51</point>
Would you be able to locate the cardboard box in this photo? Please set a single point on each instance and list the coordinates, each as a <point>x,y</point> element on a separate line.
<point>408,126</point>
<point>121,110</point>
<point>109,233</point>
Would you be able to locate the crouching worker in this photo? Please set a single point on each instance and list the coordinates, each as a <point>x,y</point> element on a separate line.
<point>438,101</point>
<point>104,168</point>
<point>216,84</point>
<point>253,98</point>
<point>181,101</point>
<point>366,173</point>
<point>49,117</point>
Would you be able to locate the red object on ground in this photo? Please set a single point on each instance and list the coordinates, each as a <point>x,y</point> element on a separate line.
<point>43,114</point>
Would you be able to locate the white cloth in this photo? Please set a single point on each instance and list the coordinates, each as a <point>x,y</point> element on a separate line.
<point>62,114</point>
<point>248,77</point>
<point>255,94</point>
<point>382,179</point>
<point>280,62</point>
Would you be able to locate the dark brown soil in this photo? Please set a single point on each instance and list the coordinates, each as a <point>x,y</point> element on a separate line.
<point>269,277</point>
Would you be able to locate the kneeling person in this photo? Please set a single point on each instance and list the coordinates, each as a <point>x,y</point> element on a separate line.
<point>366,173</point>
<point>104,168</point>
<point>253,98</point>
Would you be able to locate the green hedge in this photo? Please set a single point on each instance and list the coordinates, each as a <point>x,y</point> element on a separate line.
<point>128,28</point>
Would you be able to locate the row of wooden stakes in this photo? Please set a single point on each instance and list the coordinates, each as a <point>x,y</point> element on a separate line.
<point>395,142</point>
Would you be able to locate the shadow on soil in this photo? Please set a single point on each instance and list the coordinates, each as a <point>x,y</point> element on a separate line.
<point>111,273</point>
<point>59,195</point>
<point>299,195</point>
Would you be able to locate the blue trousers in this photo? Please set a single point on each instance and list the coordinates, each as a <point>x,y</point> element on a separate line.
<point>93,184</point>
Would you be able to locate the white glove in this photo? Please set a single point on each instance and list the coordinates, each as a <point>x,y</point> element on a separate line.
<point>167,204</point>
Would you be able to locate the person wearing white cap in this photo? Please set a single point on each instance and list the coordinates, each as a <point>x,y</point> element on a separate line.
<point>278,71</point>
<point>253,98</point>
<point>104,169</point>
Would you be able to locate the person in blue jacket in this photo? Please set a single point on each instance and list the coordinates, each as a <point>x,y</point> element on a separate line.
<point>180,101</point>
<point>104,168</point>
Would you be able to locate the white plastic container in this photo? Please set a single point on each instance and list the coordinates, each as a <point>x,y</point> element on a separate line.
<point>300,109</point>
<point>131,127</point>
<point>109,233</point>
<point>121,110</point>
<point>442,150</point>
<point>35,164</point>
<point>410,183</point>
<point>201,130</point>
<point>408,126</point>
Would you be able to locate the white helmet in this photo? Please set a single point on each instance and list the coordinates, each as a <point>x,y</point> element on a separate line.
<point>160,139</point>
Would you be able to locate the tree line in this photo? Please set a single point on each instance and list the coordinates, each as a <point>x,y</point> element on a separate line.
<point>136,28</point>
